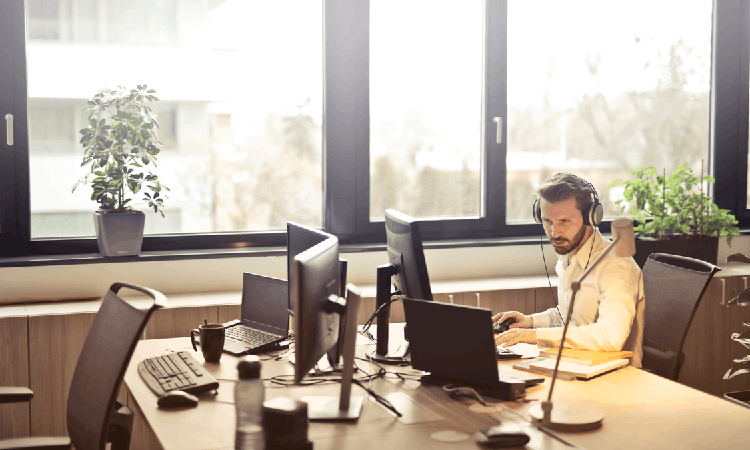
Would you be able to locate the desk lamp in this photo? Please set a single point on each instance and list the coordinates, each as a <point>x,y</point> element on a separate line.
<point>566,416</point>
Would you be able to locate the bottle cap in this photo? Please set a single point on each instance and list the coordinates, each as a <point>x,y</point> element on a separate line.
<point>249,367</point>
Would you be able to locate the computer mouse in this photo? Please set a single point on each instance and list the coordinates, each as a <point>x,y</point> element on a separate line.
<point>502,436</point>
<point>503,327</point>
<point>177,398</point>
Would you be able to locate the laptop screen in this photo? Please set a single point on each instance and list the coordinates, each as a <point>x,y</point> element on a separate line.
<point>264,303</point>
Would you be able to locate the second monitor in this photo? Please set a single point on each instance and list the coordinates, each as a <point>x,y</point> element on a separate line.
<point>406,271</point>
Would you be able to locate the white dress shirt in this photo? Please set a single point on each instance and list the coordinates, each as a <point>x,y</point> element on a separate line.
<point>609,307</point>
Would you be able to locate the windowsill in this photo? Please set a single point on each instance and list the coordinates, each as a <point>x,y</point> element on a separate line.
<point>96,258</point>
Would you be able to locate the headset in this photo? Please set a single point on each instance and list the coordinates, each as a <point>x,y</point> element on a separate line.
<point>592,214</point>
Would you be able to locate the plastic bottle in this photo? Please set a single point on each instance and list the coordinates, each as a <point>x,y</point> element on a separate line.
<point>249,394</point>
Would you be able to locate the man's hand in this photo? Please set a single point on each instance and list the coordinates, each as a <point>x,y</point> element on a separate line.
<point>511,337</point>
<point>522,320</point>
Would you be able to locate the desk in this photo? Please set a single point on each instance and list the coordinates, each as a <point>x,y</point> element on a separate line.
<point>641,410</point>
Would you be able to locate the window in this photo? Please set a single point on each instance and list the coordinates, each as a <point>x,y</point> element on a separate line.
<point>636,95</point>
<point>425,107</point>
<point>327,113</point>
<point>239,112</point>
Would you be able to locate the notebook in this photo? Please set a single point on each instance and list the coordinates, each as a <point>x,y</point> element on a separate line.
<point>456,343</point>
<point>264,316</point>
<point>569,370</point>
<point>585,357</point>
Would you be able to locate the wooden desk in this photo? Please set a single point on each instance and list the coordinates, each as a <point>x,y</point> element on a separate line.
<point>641,411</point>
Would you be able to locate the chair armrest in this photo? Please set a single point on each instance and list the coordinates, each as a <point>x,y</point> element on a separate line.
<point>15,394</point>
<point>36,443</point>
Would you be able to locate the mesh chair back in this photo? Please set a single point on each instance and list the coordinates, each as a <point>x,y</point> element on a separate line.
<point>673,288</point>
<point>101,366</point>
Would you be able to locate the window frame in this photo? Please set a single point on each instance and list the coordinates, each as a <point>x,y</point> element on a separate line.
<point>345,137</point>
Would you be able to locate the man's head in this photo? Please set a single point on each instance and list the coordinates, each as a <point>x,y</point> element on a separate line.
<point>562,201</point>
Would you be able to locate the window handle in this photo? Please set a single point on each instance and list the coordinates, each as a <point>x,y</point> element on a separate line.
<point>499,122</point>
<point>9,128</point>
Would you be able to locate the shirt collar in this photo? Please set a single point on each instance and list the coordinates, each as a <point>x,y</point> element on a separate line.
<point>585,252</point>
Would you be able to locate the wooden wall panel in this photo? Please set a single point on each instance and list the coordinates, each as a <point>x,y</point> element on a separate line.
<point>14,371</point>
<point>176,322</point>
<point>226,313</point>
<point>707,346</point>
<point>544,299</point>
<point>55,341</point>
<point>737,316</point>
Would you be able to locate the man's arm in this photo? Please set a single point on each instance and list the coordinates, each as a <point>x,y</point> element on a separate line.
<point>619,286</point>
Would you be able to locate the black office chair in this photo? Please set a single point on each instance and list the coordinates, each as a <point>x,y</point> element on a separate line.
<point>673,288</point>
<point>95,417</point>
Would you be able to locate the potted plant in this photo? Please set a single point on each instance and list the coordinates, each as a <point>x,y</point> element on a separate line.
<point>119,143</point>
<point>674,216</point>
<point>740,366</point>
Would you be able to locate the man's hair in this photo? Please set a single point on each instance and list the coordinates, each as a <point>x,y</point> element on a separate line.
<point>565,186</point>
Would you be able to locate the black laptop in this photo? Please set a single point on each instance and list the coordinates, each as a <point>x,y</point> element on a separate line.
<point>264,319</point>
<point>456,344</point>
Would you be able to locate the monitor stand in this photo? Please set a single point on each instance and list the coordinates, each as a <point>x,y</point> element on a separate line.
<point>343,407</point>
<point>383,296</point>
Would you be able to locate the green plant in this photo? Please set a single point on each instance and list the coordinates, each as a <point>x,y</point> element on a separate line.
<point>674,206</point>
<point>118,142</point>
<point>741,365</point>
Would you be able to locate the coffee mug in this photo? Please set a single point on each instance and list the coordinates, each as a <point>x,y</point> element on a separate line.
<point>211,341</point>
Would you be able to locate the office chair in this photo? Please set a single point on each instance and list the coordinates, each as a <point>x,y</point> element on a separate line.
<point>95,417</point>
<point>673,287</point>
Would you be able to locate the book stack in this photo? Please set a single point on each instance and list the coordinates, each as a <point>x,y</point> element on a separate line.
<point>576,363</point>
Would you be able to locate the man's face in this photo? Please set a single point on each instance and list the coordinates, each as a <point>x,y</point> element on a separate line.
<point>563,223</point>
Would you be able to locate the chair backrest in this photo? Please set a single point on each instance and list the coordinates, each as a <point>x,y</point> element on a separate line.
<point>673,287</point>
<point>102,363</point>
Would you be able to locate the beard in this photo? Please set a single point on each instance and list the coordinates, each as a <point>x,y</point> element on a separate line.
<point>565,246</point>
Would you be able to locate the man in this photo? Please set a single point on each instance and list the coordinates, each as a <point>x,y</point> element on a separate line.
<point>608,310</point>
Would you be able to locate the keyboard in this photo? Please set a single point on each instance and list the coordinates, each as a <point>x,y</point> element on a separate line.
<point>175,371</point>
<point>504,353</point>
<point>250,336</point>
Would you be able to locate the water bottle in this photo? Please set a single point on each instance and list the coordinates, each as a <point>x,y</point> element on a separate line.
<point>249,395</point>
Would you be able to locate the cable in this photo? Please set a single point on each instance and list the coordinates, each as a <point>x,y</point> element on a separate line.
<point>546,272</point>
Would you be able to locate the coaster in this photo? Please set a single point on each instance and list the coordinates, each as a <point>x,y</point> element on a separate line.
<point>449,436</point>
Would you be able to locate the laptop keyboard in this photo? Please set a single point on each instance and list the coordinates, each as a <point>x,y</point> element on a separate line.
<point>250,336</point>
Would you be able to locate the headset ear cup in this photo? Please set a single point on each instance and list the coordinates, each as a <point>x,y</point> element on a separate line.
<point>597,213</point>
<point>536,211</point>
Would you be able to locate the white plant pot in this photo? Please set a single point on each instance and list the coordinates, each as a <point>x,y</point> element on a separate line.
<point>119,233</point>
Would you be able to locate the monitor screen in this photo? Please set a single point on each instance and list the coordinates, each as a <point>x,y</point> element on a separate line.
<point>316,274</point>
<point>405,252</point>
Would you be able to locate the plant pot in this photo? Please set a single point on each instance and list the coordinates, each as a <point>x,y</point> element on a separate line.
<point>739,397</point>
<point>703,248</point>
<point>119,233</point>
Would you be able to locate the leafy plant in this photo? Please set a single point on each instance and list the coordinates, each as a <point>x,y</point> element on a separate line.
<point>674,206</point>
<point>118,142</point>
<point>741,365</point>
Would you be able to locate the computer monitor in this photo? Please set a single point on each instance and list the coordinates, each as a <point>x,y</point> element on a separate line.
<point>406,271</point>
<point>298,239</point>
<point>316,275</point>
<point>301,238</point>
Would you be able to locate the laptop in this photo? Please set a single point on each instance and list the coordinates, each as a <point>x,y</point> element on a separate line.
<point>456,344</point>
<point>264,319</point>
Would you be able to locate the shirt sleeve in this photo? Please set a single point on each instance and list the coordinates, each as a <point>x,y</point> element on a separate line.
<point>618,286</point>
<point>547,319</point>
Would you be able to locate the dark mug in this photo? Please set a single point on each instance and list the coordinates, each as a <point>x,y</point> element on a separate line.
<point>211,341</point>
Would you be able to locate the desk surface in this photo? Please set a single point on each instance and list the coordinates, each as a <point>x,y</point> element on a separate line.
<point>641,411</point>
